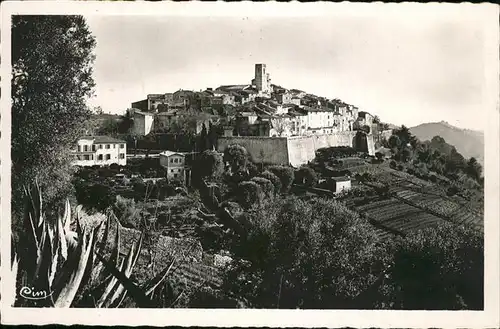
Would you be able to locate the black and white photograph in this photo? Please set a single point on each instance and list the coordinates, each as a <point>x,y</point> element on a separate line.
<point>269,157</point>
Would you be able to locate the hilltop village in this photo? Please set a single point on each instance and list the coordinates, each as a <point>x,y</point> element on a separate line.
<point>264,109</point>
<point>276,125</point>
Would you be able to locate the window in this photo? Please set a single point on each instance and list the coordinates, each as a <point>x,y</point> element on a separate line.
<point>175,175</point>
<point>99,157</point>
<point>79,148</point>
<point>171,160</point>
<point>86,157</point>
<point>171,170</point>
<point>122,146</point>
<point>122,156</point>
<point>114,146</point>
<point>100,146</point>
<point>93,148</point>
<point>107,146</point>
<point>108,156</point>
<point>85,148</point>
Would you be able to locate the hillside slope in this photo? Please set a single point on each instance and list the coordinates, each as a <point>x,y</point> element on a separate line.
<point>469,143</point>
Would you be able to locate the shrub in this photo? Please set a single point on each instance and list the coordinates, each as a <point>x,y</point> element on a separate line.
<point>393,164</point>
<point>236,156</point>
<point>306,176</point>
<point>210,164</point>
<point>286,176</point>
<point>400,167</point>
<point>452,190</point>
<point>410,171</point>
<point>127,212</point>
<point>274,180</point>
<point>366,177</point>
<point>265,184</point>
<point>249,193</point>
<point>252,169</point>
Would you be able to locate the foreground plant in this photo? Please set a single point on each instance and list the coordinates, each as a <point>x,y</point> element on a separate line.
<point>56,266</point>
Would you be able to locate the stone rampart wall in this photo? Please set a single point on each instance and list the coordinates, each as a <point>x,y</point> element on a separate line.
<point>271,150</point>
<point>295,150</point>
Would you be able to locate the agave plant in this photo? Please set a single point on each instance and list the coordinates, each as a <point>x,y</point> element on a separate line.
<point>55,265</point>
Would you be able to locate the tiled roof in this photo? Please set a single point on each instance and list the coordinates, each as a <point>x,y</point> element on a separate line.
<point>169,153</point>
<point>232,87</point>
<point>142,113</point>
<point>103,139</point>
<point>341,179</point>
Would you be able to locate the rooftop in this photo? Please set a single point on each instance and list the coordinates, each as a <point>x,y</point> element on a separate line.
<point>103,139</point>
<point>341,179</point>
<point>169,153</point>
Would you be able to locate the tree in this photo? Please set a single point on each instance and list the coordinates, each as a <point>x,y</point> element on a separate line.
<point>440,268</point>
<point>280,125</point>
<point>366,129</point>
<point>404,135</point>
<point>394,142</point>
<point>286,176</point>
<point>376,119</point>
<point>52,59</point>
<point>213,132</point>
<point>274,179</point>
<point>315,254</point>
<point>236,156</point>
<point>474,169</point>
<point>210,164</point>
<point>125,123</point>
<point>249,193</point>
<point>266,186</point>
<point>109,127</point>
<point>203,138</point>
<point>306,176</point>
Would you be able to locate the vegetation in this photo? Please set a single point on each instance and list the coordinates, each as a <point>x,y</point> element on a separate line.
<point>306,176</point>
<point>70,266</point>
<point>274,180</point>
<point>49,95</point>
<point>236,157</point>
<point>309,255</point>
<point>286,176</point>
<point>210,165</point>
<point>435,155</point>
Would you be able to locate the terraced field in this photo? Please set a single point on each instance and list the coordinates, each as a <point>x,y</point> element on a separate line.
<point>442,206</point>
<point>396,216</point>
<point>194,275</point>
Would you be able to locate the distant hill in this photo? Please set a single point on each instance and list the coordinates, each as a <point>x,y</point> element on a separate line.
<point>469,143</point>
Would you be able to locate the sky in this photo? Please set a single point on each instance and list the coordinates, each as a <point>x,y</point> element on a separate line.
<point>407,69</point>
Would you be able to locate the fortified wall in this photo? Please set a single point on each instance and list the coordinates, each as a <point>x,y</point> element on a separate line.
<point>271,150</point>
<point>296,150</point>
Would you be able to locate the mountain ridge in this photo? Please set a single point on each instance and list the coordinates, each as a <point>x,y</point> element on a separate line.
<point>468,142</point>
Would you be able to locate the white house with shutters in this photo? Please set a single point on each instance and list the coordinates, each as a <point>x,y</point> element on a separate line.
<point>100,151</point>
